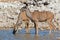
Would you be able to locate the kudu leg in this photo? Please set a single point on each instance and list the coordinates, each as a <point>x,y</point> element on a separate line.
<point>27,27</point>
<point>36,28</point>
<point>52,26</point>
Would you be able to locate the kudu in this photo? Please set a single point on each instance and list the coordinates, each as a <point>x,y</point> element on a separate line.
<point>24,18</point>
<point>39,16</point>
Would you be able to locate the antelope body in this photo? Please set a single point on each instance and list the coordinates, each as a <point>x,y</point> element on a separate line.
<point>39,16</point>
<point>43,16</point>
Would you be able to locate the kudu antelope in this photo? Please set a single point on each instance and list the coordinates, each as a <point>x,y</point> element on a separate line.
<point>24,18</point>
<point>39,16</point>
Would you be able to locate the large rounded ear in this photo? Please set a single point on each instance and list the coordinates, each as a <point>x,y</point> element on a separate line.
<point>46,3</point>
<point>26,3</point>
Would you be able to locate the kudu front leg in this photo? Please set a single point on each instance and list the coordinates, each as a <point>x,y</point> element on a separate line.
<point>27,26</point>
<point>36,28</point>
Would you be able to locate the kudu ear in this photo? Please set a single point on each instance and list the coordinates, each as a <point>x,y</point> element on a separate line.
<point>46,3</point>
<point>26,3</point>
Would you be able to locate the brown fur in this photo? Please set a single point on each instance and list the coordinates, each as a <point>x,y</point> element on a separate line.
<point>37,16</point>
<point>24,18</point>
<point>43,16</point>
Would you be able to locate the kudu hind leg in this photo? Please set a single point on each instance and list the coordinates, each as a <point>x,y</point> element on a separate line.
<point>51,25</point>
